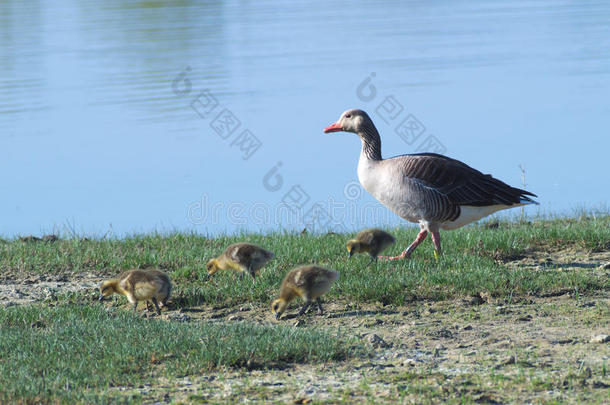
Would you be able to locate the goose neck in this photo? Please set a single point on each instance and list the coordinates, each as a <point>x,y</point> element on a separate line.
<point>371,143</point>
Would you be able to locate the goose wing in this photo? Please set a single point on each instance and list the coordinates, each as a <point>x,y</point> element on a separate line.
<point>460,183</point>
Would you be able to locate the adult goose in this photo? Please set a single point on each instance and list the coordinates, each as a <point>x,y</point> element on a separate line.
<point>426,188</point>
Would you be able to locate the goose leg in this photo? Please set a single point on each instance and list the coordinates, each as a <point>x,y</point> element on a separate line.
<point>436,239</point>
<point>407,252</point>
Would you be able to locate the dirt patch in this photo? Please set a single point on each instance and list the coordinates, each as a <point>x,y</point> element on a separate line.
<point>32,289</point>
<point>540,350</point>
<point>561,259</point>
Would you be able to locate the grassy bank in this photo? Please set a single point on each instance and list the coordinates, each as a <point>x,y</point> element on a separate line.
<point>77,353</point>
<point>91,352</point>
<point>473,262</point>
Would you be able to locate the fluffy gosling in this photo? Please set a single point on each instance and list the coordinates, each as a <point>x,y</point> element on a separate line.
<point>162,301</point>
<point>243,257</point>
<point>140,285</point>
<point>371,241</point>
<point>307,282</point>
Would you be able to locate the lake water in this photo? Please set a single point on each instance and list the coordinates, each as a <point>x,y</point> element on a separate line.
<point>121,117</point>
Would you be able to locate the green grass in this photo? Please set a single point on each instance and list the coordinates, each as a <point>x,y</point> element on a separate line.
<point>472,262</point>
<point>77,353</point>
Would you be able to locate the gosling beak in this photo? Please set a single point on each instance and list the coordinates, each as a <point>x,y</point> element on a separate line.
<point>101,298</point>
<point>350,254</point>
<point>277,316</point>
<point>336,127</point>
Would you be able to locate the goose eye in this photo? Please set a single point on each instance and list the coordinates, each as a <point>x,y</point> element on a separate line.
<point>348,115</point>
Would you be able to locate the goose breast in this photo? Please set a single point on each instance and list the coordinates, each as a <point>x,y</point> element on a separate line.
<point>408,197</point>
<point>436,189</point>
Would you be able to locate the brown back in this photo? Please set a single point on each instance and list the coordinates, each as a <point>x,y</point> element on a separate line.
<point>309,278</point>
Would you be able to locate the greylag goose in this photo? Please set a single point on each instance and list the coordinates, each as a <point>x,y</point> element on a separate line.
<point>433,190</point>
<point>243,257</point>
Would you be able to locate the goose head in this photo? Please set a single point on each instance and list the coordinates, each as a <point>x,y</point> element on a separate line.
<point>278,307</point>
<point>107,288</point>
<point>353,246</point>
<point>354,120</point>
<point>213,266</point>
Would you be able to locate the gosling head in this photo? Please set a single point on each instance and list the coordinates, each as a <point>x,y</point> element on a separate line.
<point>351,121</point>
<point>107,288</point>
<point>278,307</point>
<point>353,247</point>
<point>213,266</point>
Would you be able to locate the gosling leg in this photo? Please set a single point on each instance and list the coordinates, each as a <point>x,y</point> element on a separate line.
<point>304,308</point>
<point>154,300</point>
<point>320,310</point>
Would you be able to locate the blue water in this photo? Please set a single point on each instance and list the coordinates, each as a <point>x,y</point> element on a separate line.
<point>99,133</point>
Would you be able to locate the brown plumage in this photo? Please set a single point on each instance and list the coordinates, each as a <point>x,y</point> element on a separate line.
<point>243,257</point>
<point>307,282</point>
<point>371,241</point>
<point>140,285</point>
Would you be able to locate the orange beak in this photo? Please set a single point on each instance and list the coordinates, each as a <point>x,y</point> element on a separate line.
<point>336,127</point>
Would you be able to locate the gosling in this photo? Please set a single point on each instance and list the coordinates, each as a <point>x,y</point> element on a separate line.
<point>307,282</point>
<point>243,257</point>
<point>163,301</point>
<point>371,241</point>
<point>140,285</point>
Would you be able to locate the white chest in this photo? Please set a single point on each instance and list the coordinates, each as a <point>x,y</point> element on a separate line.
<point>386,187</point>
<point>378,181</point>
<point>367,175</point>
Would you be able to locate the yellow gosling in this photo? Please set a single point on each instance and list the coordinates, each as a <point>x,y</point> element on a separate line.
<point>139,285</point>
<point>165,294</point>
<point>241,257</point>
<point>307,282</point>
<point>371,241</point>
